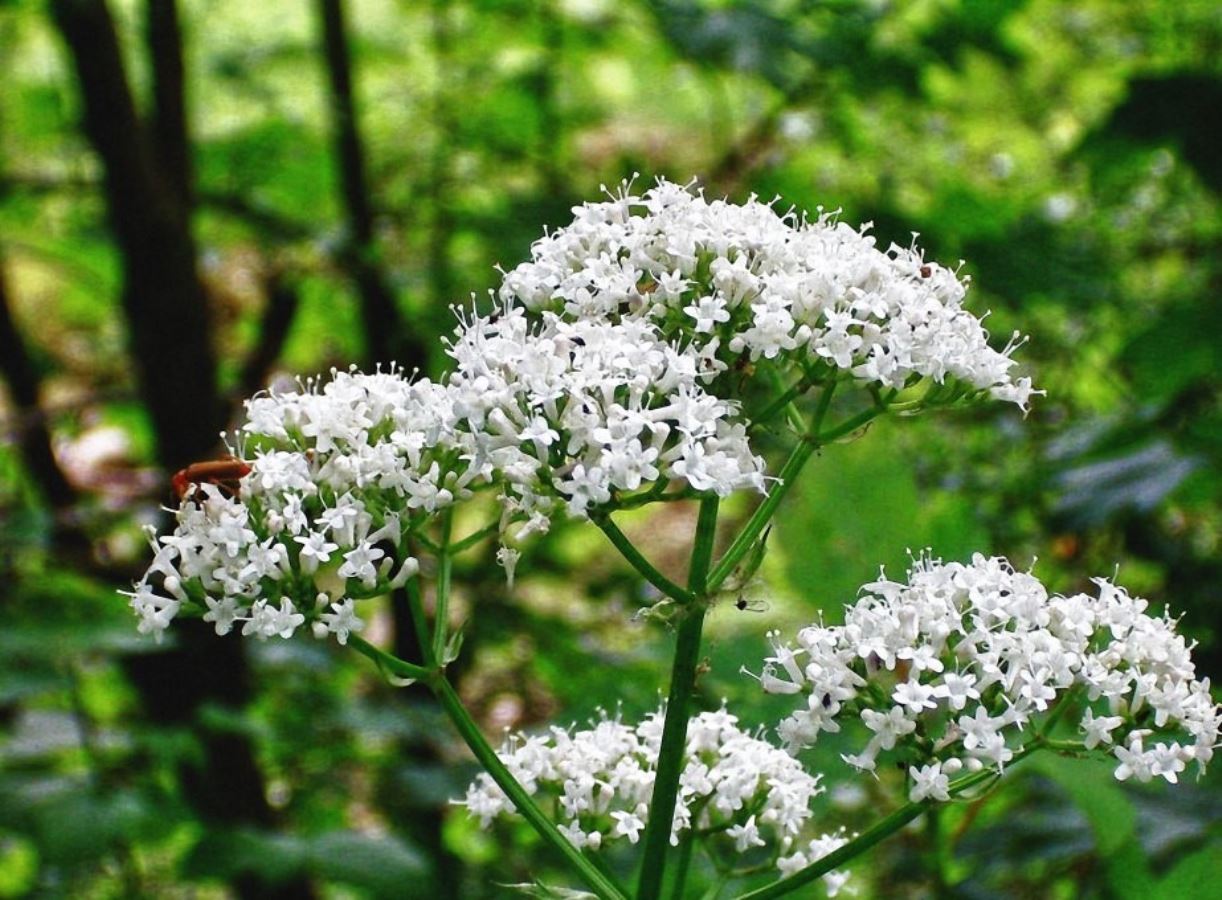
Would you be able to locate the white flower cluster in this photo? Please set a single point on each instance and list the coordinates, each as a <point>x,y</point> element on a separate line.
<point>338,474</point>
<point>734,787</point>
<point>947,670</point>
<point>726,280</point>
<point>574,410</point>
<point>601,372</point>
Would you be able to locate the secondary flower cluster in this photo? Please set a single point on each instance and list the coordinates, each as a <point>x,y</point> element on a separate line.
<point>947,671</point>
<point>729,280</point>
<point>734,787</point>
<point>339,474</point>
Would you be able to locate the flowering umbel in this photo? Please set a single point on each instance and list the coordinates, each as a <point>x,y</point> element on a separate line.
<point>728,280</point>
<point>737,789</point>
<point>614,363</point>
<point>949,671</point>
<point>634,358</point>
<point>340,474</point>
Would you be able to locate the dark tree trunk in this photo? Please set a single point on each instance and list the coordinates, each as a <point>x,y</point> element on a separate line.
<point>146,182</point>
<point>168,125</point>
<point>163,298</point>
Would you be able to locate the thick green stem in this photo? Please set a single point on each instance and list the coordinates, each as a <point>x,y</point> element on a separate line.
<point>939,852</point>
<point>702,552</point>
<point>594,879</point>
<point>674,729</point>
<point>640,563</point>
<point>763,514</point>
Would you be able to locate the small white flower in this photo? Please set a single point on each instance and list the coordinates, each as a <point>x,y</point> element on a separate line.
<point>222,613</point>
<point>1099,728</point>
<point>342,620</point>
<point>928,782</point>
<point>745,836</point>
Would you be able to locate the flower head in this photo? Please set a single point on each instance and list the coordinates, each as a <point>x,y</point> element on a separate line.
<point>601,780</point>
<point>1007,652</point>
<point>749,280</point>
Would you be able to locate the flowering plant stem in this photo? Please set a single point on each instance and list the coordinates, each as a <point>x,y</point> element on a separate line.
<point>436,682</point>
<point>643,566</point>
<point>877,833</point>
<point>445,566</point>
<point>674,730</point>
<point>763,513</point>
<point>594,879</point>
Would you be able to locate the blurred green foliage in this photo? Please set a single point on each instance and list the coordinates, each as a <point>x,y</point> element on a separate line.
<point>1066,149</point>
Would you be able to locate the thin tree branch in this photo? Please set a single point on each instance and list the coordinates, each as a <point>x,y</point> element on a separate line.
<point>268,222</point>
<point>34,441</point>
<point>281,307</point>
<point>385,335</point>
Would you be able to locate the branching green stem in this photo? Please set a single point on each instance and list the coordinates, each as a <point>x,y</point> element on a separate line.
<point>674,729</point>
<point>643,566</point>
<point>594,879</point>
<point>838,857</point>
<point>415,604</point>
<point>388,662</point>
<point>762,515</point>
<point>782,402</point>
<point>682,864</point>
<point>874,835</point>
<point>474,538</point>
<point>850,425</point>
<point>598,882</point>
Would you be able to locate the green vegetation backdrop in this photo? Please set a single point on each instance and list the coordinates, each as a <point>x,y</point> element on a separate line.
<point>203,198</point>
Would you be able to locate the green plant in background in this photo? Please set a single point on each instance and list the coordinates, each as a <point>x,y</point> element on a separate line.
<point>311,162</point>
<point>627,364</point>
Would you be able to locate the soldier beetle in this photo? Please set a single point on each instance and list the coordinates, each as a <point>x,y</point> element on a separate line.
<point>224,473</point>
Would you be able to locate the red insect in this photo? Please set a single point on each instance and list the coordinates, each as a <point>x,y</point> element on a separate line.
<point>224,473</point>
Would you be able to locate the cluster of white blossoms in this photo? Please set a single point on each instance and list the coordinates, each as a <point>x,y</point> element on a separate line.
<point>951,671</point>
<point>339,473</point>
<point>574,410</point>
<point>726,280</point>
<point>610,366</point>
<point>734,788</point>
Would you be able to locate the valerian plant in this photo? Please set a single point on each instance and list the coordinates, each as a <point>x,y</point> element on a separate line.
<point>633,360</point>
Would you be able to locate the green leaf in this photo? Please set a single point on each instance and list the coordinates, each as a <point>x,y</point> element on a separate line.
<point>1180,347</point>
<point>1193,877</point>
<point>18,866</point>
<point>383,864</point>
<point>229,854</point>
<point>1128,872</point>
<point>1095,791</point>
<point>77,827</point>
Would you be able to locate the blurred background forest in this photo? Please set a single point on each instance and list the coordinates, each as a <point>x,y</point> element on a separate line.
<point>202,198</point>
